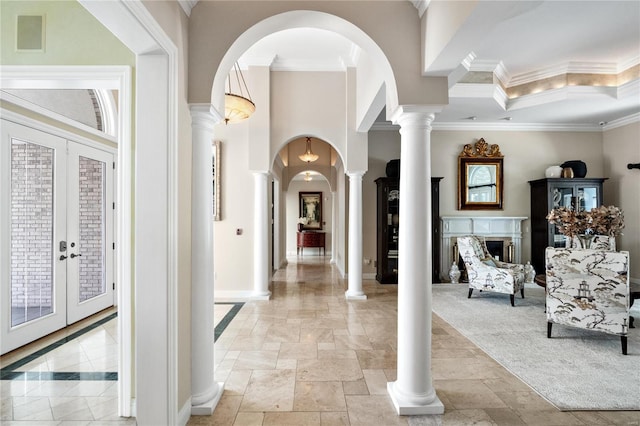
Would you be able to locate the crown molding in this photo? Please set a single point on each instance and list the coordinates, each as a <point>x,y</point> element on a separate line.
<point>630,119</point>
<point>568,68</point>
<point>421,5</point>
<point>187,5</point>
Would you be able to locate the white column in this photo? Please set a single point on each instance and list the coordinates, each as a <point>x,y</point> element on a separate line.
<point>205,392</point>
<point>260,237</point>
<point>413,393</point>
<point>334,227</point>
<point>354,292</point>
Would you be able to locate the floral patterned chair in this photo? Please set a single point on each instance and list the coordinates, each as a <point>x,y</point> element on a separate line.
<point>486,273</point>
<point>588,289</point>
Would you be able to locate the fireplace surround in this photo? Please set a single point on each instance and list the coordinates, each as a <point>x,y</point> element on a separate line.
<point>503,231</point>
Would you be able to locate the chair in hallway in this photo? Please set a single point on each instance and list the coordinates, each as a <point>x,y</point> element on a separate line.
<point>486,273</point>
<point>588,289</point>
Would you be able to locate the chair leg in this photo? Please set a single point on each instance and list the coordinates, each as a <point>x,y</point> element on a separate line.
<point>549,325</point>
<point>623,340</point>
<point>470,291</point>
<point>522,292</point>
<point>512,297</point>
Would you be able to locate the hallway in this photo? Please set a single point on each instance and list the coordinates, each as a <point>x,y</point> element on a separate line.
<point>309,357</point>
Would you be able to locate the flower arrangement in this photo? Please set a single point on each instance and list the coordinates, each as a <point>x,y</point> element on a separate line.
<point>601,220</point>
<point>303,220</point>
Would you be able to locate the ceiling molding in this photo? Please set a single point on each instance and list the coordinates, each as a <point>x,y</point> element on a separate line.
<point>305,65</point>
<point>421,5</point>
<point>568,68</point>
<point>634,118</point>
<point>187,5</point>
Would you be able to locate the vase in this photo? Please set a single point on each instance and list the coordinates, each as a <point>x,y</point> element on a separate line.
<point>529,273</point>
<point>585,240</point>
<point>454,273</point>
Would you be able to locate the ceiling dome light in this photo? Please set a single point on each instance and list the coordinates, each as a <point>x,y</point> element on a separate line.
<point>308,156</point>
<point>237,106</point>
<point>307,176</point>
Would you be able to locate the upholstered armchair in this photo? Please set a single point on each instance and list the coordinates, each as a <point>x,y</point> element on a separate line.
<point>588,289</point>
<point>486,273</point>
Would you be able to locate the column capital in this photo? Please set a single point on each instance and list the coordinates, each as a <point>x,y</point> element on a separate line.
<point>204,115</point>
<point>415,115</point>
<point>355,174</point>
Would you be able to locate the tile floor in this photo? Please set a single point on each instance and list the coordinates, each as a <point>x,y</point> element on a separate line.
<point>306,357</point>
<point>309,357</point>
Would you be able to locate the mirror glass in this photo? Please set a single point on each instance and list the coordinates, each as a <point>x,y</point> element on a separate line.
<point>480,179</point>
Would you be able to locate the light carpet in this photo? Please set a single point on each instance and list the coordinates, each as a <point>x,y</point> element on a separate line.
<point>574,370</point>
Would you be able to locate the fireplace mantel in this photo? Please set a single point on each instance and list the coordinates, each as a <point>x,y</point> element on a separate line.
<point>497,227</point>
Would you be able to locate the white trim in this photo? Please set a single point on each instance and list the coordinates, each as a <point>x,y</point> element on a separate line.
<point>184,414</point>
<point>33,123</point>
<point>562,69</point>
<point>634,118</point>
<point>187,5</point>
<point>105,77</point>
<point>232,296</point>
<point>109,110</point>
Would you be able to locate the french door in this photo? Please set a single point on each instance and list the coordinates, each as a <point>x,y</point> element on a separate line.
<point>56,219</point>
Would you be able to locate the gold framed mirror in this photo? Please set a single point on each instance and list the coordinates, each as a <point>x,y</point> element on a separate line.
<point>480,177</point>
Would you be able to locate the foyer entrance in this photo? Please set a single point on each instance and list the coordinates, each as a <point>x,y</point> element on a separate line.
<point>57,224</point>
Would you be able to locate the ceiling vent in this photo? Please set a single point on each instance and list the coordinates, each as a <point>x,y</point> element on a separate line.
<point>30,33</point>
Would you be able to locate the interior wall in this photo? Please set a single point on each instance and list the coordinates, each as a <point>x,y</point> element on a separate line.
<point>292,213</point>
<point>621,147</point>
<point>526,156</point>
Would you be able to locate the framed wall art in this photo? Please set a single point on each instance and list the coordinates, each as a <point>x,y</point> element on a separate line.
<point>310,210</point>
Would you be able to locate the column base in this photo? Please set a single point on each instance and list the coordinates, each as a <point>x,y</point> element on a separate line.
<point>357,296</point>
<point>405,407</point>
<point>261,296</point>
<point>206,408</point>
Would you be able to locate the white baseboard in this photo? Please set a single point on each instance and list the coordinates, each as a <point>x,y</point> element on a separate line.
<point>232,296</point>
<point>185,413</point>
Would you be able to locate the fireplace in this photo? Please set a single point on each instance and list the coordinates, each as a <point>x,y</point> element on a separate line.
<point>503,237</point>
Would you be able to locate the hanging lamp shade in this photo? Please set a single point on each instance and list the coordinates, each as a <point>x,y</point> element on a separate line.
<point>238,105</point>
<point>307,176</point>
<point>237,108</point>
<point>308,156</point>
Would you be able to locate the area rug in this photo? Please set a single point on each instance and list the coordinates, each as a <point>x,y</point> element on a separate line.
<point>574,370</point>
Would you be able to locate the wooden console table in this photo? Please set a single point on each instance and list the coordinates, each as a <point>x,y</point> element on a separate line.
<point>311,239</point>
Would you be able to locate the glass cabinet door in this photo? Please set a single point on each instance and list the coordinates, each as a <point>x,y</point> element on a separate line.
<point>587,198</point>
<point>393,216</point>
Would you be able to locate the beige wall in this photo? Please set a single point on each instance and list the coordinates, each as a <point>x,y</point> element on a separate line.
<point>526,156</point>
<point>620,147</point>
<point>319,184</point>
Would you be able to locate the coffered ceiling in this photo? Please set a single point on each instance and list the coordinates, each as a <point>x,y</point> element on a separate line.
<point>565,65</point>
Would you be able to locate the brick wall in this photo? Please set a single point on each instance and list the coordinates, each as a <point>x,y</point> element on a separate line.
<point>31,224</point>
<point>91,274</point>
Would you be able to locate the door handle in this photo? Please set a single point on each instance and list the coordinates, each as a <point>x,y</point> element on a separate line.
<point>72,255</point>
<point>63,257</point>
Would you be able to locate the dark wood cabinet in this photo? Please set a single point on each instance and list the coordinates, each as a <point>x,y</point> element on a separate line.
<point>311,239</point>
<point>585,193</point>
<point>388,215</point>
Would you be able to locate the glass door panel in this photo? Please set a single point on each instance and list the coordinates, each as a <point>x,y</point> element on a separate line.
<point>89,232</point>
<point>32,229</point>
<point>587,198</point>
<point>562,197</point>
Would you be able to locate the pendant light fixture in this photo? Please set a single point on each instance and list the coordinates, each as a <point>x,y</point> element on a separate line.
<point>237,106</point>
<point>307,176</point>
<point>308,156</point>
